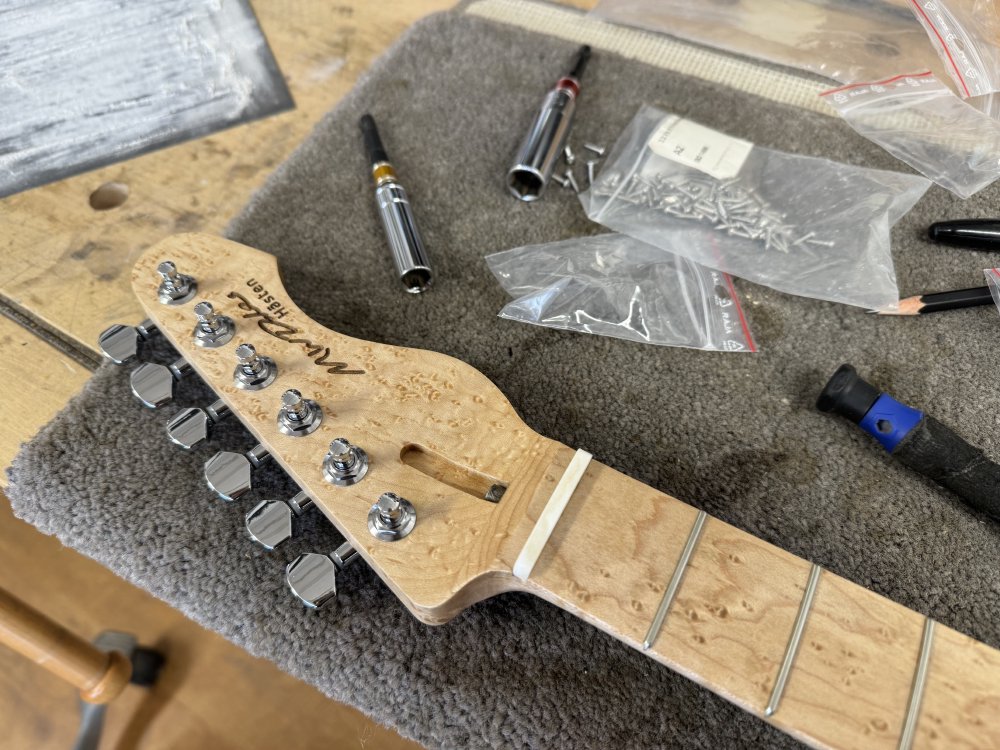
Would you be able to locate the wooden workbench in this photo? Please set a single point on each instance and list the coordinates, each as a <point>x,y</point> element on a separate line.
<point>65,266</point>
<point>64,269</point>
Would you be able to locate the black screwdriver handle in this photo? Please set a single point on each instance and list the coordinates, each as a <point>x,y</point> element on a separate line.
<point>982,234</point>
<point>943,456</point>
<point>915,439</point>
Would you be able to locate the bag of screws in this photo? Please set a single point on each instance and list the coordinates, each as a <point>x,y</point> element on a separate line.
<point>799,224</point>
<point>614,285</point>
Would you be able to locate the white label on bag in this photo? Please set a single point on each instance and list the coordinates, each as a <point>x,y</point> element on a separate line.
<point>694,145</point>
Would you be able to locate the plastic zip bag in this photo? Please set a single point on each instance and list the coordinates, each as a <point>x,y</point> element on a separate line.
<point>798,224</point>
<point>613,285</point>
<point>917,119</point>
<point>860,40</point>
<point>966,34</point>
<point>993,282</point>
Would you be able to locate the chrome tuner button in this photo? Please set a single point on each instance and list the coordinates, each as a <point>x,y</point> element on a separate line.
<point>228,474</point>
<point>189,428</point>
<point>312,577</point>
<point>120,344</point>
<point>391,518</point>
<point>270,522</point>
<point>153,384</point>
<point>253,370</point>
<point>345,464</point>
<point>175,288</point>
<point>298,416</point>
<point>212,330</point>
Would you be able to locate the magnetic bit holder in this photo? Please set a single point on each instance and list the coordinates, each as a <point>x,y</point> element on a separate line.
<point>915,439</point>
<point>396,215</point>
<point>543,145</point>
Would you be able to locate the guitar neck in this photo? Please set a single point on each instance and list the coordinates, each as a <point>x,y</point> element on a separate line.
<point>850,683</point>
<point>865,672</point>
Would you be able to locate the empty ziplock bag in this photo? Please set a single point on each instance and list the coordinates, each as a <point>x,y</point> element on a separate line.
<point>614,285</point>
<point>966,35</point>
<point>918,119</point>
<point>844,41</point>
<point>798,224</point>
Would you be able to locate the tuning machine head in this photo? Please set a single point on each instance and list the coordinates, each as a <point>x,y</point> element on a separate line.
<point>253,371</point>
<point>176,288</point>
<point>298,416</point>
<point>270,522</point>
<point>120,343</point>
<point>392,517</point>
<point>312,577</point>
<point>345,464</point>
<point>189,428</point>
<point>212,329</point>
<point>228,474</point>
<point>153,384</point>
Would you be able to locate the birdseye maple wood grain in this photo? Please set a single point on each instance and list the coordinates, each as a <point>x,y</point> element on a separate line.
<point>614,548</point>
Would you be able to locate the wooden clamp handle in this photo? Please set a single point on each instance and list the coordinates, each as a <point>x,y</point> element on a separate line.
<point>99,676</point>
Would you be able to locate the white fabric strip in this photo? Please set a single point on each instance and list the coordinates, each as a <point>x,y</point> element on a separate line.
<point>550,515</point>
<point>660,50</point>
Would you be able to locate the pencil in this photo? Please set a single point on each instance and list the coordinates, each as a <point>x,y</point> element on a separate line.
<point>939,301</point>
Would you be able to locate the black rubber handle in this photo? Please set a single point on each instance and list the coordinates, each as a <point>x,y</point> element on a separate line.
<point>941,455</point>
<point>928,447</point>
<point>983,234</point>
<point>847,394</point>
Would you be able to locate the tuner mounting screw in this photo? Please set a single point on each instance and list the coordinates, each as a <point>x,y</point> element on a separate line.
<point>391,518</point>
<point>312,577</point>
<point>254,371</point>
<point>212,329</point>
<point>176,288</point>
<point>345,464</point>
<point>298,416</point>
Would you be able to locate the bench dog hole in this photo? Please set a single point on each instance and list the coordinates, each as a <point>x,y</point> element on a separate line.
<point>109,195</point>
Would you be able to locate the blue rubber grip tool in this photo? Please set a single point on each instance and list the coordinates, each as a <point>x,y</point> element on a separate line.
<point>915,439</point>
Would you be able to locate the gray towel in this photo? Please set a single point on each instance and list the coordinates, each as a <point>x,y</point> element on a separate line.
<point>735,434</point>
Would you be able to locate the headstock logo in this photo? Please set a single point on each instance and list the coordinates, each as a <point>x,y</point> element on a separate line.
<point>270,324</point>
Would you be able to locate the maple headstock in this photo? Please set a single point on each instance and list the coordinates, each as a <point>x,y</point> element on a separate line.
<point>436,431</point>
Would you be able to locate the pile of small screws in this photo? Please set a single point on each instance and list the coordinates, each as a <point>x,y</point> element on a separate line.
<point>568,179</point>
<point>725,204</point>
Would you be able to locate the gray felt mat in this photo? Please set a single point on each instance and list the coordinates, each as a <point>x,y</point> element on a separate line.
<point>735,434</point>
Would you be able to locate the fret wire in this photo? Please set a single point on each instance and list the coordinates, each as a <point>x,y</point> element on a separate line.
<point>917,692</point>
<point>793,643</point>
<point>675,580</point>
